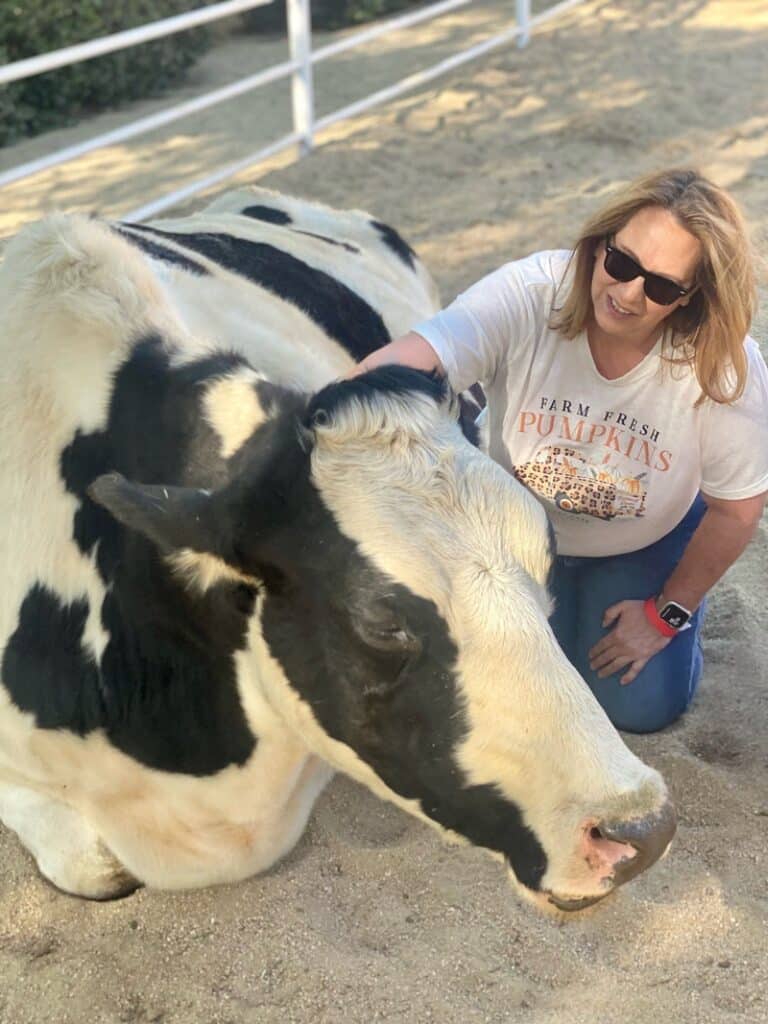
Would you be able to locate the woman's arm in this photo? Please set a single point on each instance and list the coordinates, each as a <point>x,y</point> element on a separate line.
<point>469,339</point>
<point>409,350</point>
<point>722,535</point>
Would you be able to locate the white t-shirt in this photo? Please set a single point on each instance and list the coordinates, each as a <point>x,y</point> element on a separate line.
<point>617,463</point>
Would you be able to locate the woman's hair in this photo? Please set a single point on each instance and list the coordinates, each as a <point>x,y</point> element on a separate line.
<point>707,333</point>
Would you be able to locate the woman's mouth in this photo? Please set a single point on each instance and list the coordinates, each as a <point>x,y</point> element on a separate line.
<point>618,310</point>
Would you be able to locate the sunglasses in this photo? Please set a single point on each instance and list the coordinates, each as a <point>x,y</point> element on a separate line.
<point>622,267</point>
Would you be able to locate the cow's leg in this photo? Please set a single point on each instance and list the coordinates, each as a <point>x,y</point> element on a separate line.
<point>68,852</point>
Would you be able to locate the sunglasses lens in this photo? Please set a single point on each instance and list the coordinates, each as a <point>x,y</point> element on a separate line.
<point>620,266</point>
<point>660,290</point>
<point>623,268</point>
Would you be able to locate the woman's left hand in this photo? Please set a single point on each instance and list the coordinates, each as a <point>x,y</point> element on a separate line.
<point>633,641</point>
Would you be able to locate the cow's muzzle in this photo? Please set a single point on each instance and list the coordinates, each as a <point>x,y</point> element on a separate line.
<point>616,851</point>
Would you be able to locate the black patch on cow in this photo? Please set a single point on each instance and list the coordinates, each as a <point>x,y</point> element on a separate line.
<point>267,213</point>
<point>165,688</point>
<point>391,378</point>
<point>45,667</point>
<point>552,543</point>
<point>396,243</point>
<point>468,413</point>
<point>477,393</point>
<point>336,309</point>
<point>324,238</point>
<point>161,252</point>
<point>156,433</point>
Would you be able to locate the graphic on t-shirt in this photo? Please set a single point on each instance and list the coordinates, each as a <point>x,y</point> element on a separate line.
<point>571,482</point>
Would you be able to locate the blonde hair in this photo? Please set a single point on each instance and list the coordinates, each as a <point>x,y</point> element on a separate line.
<point>708,333</point>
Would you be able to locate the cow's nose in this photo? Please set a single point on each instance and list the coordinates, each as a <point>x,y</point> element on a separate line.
<point>649,837</point>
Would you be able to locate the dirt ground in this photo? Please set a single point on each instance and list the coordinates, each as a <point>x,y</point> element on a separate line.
<point>371,918</point>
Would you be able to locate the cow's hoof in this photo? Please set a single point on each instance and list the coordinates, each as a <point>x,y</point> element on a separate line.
<point>115,888</point>
<point>94,873</point>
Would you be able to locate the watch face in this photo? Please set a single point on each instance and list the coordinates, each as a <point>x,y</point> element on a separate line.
<point>674,615</point>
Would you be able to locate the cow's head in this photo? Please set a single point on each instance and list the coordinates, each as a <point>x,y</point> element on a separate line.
<point>401,628</point>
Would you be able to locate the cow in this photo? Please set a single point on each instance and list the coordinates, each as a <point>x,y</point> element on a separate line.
<point>228,572</point>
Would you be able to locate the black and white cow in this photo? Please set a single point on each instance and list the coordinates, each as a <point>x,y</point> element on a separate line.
<point>225,578</point>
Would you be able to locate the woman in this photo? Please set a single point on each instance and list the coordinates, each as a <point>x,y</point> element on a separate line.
<point>623,392</point>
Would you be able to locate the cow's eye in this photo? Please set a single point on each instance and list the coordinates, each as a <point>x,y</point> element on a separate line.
<point>386,632</point>
<point>394,635</point>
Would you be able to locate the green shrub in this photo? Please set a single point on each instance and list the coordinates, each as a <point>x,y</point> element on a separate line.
<point>326,14</point>
<point>31,27</point>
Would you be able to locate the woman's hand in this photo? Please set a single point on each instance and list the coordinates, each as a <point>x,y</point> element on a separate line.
<point>633,641</point>
<point>409,350</point>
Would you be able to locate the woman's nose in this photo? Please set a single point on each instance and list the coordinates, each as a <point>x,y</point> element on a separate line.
<point>631,292</point>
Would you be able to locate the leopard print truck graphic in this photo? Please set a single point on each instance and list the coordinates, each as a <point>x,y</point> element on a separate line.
<point>564,478</point>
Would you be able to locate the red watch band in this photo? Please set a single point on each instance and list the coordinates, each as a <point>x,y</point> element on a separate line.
<point>656,620</point>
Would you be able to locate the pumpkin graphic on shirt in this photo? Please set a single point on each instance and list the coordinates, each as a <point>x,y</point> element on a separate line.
<point>565,478</point>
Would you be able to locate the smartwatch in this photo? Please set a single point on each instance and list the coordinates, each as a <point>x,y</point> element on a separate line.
<point>669,619</point>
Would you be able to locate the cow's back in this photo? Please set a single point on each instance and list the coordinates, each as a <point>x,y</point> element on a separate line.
<point>302,290</point>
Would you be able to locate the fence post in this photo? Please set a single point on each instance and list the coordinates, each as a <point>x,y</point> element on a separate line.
<point>302,91</point>
<point>524,21</point>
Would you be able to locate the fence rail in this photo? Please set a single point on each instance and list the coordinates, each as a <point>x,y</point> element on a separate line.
<point>122,40</point>
<point>299,68</point>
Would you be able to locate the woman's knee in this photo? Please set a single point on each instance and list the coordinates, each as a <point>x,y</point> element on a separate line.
<point>646,719</point>
<point>659,695</point>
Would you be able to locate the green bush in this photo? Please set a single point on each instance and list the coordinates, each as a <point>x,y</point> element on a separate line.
<point>31,27</point>
<point>326,14</point>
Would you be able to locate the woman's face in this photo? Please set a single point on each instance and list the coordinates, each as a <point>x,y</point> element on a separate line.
<point>658,242</point>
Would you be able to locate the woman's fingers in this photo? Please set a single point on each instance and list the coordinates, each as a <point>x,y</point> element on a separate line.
<point>614,665</point>
<point>634,672</point>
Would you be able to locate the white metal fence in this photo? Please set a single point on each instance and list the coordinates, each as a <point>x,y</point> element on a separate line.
<point>298,67</point>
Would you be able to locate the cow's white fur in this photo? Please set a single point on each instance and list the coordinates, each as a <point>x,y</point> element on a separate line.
<point>427,510</point>
<point>233,409</point>
<point>201,571</point>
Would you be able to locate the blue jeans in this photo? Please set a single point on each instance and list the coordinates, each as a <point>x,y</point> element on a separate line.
<point>584,587</point>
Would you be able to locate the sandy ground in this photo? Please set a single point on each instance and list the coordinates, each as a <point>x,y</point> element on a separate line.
<point>371,918</point>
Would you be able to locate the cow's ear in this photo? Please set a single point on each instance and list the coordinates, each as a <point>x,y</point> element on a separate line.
<point>171,517</point>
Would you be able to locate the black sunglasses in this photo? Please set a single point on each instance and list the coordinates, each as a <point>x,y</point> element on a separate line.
<point>622,267</point>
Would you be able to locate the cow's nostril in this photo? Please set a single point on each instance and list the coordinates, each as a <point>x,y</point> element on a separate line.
<point>606,837</point>
<point>602,852</point>
<point>650,836</point>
